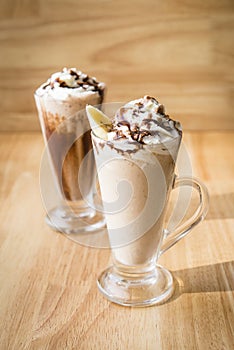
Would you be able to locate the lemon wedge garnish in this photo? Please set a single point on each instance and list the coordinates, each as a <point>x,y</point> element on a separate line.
<point>99,122</point>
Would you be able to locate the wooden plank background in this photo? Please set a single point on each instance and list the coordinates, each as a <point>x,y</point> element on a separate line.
<point>178,51</point>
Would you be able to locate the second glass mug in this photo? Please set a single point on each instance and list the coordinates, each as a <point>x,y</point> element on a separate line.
<point>67,186</point>
<point>135,187</point>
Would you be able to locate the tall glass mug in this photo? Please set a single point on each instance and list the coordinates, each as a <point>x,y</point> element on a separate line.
<point>136,181</point>
<point>70,195</point>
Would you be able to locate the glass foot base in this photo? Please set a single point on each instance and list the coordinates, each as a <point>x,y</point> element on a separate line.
<point>71,221</point>
<point>143,290</point>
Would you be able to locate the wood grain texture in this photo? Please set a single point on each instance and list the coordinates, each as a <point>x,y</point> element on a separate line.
<point>48,295</point>
<point>178,51</point>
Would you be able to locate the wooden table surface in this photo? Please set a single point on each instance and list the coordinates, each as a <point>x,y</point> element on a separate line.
<point>48,294</point>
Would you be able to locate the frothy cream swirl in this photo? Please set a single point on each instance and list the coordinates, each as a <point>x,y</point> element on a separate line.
<point>72,79</point>
<point>144,120</point>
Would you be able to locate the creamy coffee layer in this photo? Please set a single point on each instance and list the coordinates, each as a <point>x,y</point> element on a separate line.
<point>135,213</point>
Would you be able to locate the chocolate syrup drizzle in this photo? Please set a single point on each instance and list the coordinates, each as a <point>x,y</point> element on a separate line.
<point>82,80</point>
<point>137,132</point>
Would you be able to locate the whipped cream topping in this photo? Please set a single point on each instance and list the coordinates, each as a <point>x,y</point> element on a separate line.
<point>71,79</point>
<point>144,120</point>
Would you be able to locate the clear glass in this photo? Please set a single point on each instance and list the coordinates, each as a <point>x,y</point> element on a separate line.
<point>136,182</point>
<point>70,206</point>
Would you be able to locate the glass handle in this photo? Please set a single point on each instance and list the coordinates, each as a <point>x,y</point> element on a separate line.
<point>183,229</point>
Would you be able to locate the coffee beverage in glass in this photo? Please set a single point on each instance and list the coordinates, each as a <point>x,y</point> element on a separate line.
<point>61,105</point>
<point>135,156</point>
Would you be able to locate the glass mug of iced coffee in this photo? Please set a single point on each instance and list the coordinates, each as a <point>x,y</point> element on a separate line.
<point>61,105</point>
<point>135,155</point>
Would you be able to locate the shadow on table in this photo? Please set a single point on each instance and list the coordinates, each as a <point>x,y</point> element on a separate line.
<point>221,206</point>
<point>205,279</point>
